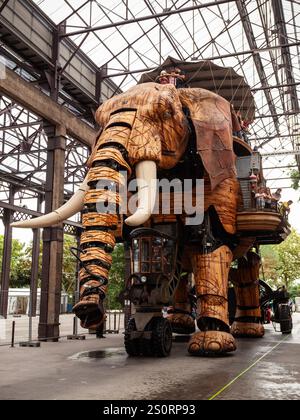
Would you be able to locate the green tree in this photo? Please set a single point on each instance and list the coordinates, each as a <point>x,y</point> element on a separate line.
<point>281,262</point>
<point>19,270</point>
<point>69,265</point>
<point>270,259</point>
<point>116,278</point>
<point>295,177</point>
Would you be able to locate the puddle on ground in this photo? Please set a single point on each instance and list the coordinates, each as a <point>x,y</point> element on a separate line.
<point>112,354</point>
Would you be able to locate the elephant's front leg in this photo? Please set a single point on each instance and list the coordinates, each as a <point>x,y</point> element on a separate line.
<point>248,313</point>
<point>211,281</point>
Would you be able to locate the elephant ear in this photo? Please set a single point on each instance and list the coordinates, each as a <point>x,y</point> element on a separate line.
<point>212,120</point>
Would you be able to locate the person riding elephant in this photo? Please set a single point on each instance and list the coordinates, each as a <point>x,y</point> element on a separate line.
<point>146,132</point>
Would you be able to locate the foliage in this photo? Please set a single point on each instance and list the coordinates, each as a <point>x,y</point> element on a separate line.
<point>281,262</point>
<point>295,177</point>
<point>116,278</point>
<point>270,257</point>
<point>20,266</point>
<point>294,291</point>
<point>69,265</point>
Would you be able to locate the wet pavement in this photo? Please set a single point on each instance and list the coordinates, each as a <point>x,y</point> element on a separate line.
<point>267,368</point>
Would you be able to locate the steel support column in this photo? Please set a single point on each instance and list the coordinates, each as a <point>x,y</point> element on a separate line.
<point>53,236</point>
<point>35,265</point>
<point>7,254</point>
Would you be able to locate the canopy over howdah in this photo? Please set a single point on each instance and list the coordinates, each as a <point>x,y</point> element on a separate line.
<point>205,74</point>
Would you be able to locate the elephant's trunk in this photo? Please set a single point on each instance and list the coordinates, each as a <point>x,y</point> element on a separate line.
<point>100,218</point>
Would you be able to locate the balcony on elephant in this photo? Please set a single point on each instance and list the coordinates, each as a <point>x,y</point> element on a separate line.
<point>259,214</point>
<point>240,147</point>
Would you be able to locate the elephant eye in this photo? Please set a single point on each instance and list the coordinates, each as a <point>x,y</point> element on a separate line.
<point>167,115</point>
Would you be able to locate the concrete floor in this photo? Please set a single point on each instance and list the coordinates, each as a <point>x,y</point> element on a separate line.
<point>267,368</point>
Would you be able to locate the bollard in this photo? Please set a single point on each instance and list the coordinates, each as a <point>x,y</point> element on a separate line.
<point>13,327</point>
<point>30,342</point>
<point>115,321</point>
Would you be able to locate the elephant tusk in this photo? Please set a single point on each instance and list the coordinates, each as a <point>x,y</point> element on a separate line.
<point>71,207</point>
<point>146,175</point>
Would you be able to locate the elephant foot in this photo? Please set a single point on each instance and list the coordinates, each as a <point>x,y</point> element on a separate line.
<point>247,329</point>
<point>90,312</point>
<point>205,343</point>
<point>181,323</point>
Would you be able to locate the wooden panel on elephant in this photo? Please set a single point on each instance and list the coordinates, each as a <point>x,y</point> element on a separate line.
<point>95,253</point>
<point>145,141</point>
<point>211,116</point>
<point>103,173</point>
<point>137,98</point>
<point>93,270</point>
<point>159,129</point>
<point>211,282</point>
<point>243,247</point>
<point>119,118</point>
<point>247,296</point>
<point>117,134</point>
<point>253,313</point>
<point>111,154</point>
<point>209,306</point>
<point>211,271</point>
<point>96,219</point>
<point>247,271</point>
<point>258,221</point>
<point>93,297</point>
<point>98,236</point>
<point>106,196</point>
<point>225,200</point>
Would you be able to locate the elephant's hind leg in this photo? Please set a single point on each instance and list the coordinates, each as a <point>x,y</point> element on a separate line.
<point>211,280</point>
<point>248,314</point>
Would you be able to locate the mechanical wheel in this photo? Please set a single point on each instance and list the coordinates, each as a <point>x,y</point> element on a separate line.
<point>285,319</point>
<point>132,347</point>
<point>161,337</point>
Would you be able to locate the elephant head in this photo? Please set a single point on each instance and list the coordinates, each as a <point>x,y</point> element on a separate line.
<point>142,130</point>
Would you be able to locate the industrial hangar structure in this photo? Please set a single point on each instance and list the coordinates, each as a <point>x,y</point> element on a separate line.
<point>55,80</point>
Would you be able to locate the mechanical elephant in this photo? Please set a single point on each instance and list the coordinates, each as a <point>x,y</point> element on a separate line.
<point>149,132</point>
